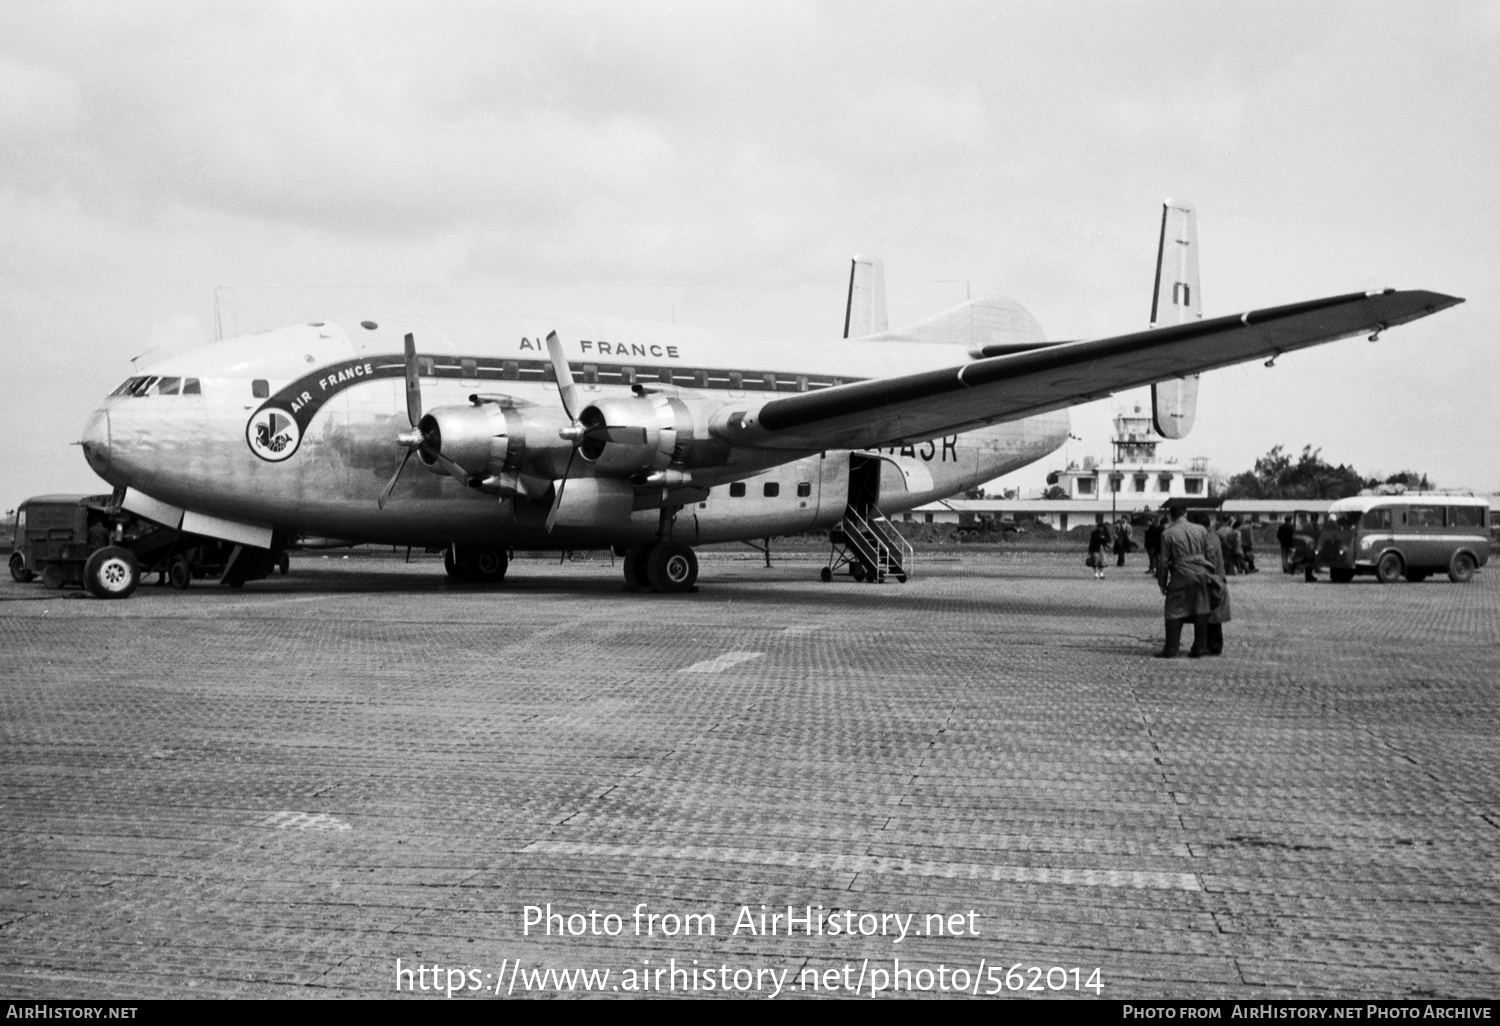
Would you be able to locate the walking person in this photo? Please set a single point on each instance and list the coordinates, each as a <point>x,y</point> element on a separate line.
<point>1285,536</point>
<point>1184,572</point>
<point>1123,544</point>
<point>1099,544</point>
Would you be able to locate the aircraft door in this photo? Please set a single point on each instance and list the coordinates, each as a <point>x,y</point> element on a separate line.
<point>864,482</point>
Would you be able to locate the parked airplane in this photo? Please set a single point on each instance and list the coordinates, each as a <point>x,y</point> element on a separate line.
<point>585,433</point>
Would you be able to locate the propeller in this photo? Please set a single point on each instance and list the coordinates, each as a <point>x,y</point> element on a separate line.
<point>414,440</point>
<point>568,393</point>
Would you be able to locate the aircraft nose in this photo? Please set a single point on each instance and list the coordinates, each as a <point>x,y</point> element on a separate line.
<point>95,441</point>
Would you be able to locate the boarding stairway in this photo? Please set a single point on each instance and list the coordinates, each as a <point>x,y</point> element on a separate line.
<point>870,546</point>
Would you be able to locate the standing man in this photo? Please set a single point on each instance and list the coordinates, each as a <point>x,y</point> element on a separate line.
<point>1284,537</point>
<point>1183,573</point>
<point>1218,599</point>
<point>1153,543</point>
<point>1123,544</point>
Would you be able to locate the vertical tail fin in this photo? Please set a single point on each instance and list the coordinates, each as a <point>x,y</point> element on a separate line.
<point>864,312</point>
<point>1176,300</point>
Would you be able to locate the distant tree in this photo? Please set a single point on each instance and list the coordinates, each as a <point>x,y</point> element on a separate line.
<point>1414,481</point>
<point>1277,475</point>
<point>974,493</point>
<point>1055,492</point>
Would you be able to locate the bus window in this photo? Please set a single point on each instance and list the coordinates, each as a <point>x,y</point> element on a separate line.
<point>1466,516</point>
<point>1377,520</point>
<point>1345,521</point>
<point>1425,516</point>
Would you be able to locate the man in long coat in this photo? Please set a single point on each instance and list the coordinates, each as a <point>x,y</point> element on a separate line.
<point>1184,574</point>
<point>1219,616</point>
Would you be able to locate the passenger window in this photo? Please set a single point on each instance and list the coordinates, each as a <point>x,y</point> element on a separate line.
<point>627,375</point>
<point>1377,520</point>
<point>737,490</point>
<point>736,380</point>
<point>510,370</point>
<point>772,489</point>
<point>591,374</point>
<point>260,388</point>
<point>804,489</point>
<point>770,381</point>
<point>469,368</point>
<point>700,379</point>
<point>1426,516</point>
<point>1465,516</point>
<point>426,366</point>
<point>664,375</point>
<point>802,382</point>
<point>168,386</point>
<point>190,386</point>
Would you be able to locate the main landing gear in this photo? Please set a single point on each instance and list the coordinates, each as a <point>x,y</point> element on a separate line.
<point>476,564</point>
<point>669,567</point>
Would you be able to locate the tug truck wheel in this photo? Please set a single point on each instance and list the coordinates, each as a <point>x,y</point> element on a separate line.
<point>180,573</point>
<point>52,576</point>
<point>672,568</point>
<point>18,571</point>
<point>636,558</point>
<point>1461,569</point>
<point>112,573</point>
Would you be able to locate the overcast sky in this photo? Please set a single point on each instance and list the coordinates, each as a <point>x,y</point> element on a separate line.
<point>164,166</point>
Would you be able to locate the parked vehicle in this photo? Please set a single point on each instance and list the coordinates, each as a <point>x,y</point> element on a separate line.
<point>1413,535</point>
<point>90,540</point>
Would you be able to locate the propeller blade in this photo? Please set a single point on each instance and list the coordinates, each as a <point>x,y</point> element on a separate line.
<point>557,500</point>
<point>456,472</point>
<point>565,387</point>
<point>413,383</point>
<point>391,484</point>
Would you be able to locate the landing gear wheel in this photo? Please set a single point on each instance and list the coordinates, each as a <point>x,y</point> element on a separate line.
<point>672,568</point>
<point>1340,575</point>
<point>1388,570</point>
<point>451,565</point>
<point>52,576</point>
<point>482,565</point>
<point>112,573</point>
<point>283,563</point>
<point>636,558</point>
<point>825,575</point>
<point>180,573</point>
<point>18,571</point>
<point>1461,568</point>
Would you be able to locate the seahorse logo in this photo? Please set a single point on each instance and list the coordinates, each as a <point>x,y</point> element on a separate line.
<point>272,434</point>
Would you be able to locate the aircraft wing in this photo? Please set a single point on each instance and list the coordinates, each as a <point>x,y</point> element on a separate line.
<point>929,404</point>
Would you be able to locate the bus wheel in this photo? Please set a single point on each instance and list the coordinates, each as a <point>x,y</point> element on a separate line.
<point>1461,568</point>
<point>52,576</point>
<point>112,573</point>
<point>18,571</point>
<point>1388,570</point>
<point>1340,575</point>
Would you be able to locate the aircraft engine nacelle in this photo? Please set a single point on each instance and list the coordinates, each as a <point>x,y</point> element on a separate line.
<point>486,440</point>
<point>625,436</point>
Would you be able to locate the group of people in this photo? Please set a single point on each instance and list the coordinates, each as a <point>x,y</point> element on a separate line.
<point>1192,562</point>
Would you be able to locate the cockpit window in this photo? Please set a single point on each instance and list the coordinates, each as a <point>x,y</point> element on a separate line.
<point>142,386</point>
<point>125,386</point>
<point>190,386</point>
<point>168,386</point>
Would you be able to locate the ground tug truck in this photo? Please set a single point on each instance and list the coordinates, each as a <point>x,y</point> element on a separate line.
<point>93,541</point>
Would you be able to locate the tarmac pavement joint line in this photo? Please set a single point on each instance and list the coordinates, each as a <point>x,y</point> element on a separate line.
<point>1135,879</point>
<point>720,663</point>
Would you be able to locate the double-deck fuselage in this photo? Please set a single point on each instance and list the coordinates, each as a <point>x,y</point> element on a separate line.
<point>297,430</point>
